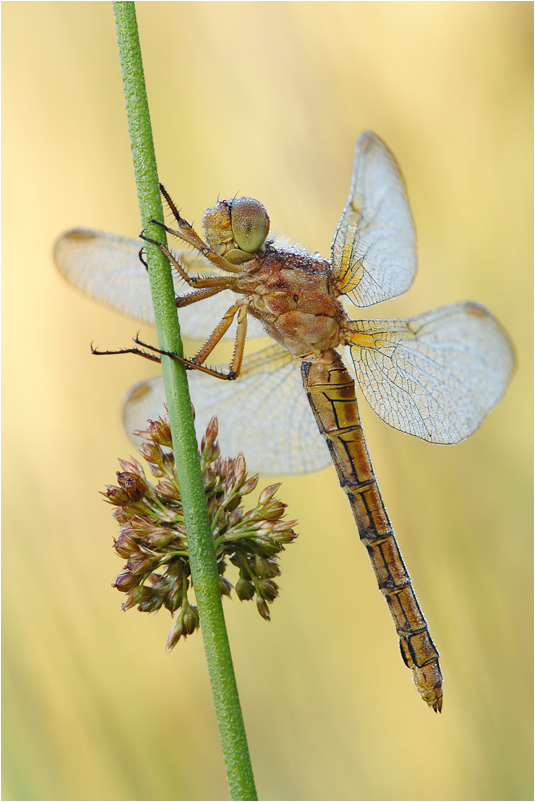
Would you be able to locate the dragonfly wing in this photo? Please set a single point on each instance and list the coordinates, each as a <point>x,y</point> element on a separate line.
<point>107,267</point>
<point>264,413</point>
<point>436,375</point>
<point>374,248</point>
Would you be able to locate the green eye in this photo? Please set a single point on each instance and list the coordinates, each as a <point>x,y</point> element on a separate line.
<point>250,224</point>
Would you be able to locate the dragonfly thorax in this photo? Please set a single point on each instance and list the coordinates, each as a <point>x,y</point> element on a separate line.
<point>291,294</point>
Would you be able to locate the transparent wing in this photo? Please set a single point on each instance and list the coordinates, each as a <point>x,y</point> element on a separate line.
<point>374,248</point>
<point>107,267</point>
<point>264,413</point>
<point>436,375</point>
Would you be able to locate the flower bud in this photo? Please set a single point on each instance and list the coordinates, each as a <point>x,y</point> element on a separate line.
<point>166,489</point>
<point>124,545</point>
<point>169,462</point>
<point>160,537</point>
<point>132,467</point>
<point>126,581</point>
<point>140,526</point>
<point>267,589</point>
<point>239,470</point>
<point>115,495</point>
<point>273,510</point>
<point>244,589</point>
<point>132,484</point>
<point>133,598</point>
<point>141,563</point>
<point>265,568</point>
<point>176,633</point>
<point>160,432</point>
<point>151,600</point>
<point>249,485</point>
<point>263,609</point>
<point>208,441</point>
<point>268,493</point>
<point>154,457</point>
<point>225,587</point>
<point>191,619</point>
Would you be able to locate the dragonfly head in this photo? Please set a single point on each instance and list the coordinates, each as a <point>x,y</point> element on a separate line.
<point>236,229</point>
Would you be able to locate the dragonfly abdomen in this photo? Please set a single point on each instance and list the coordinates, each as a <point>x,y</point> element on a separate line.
<point>331,394</point>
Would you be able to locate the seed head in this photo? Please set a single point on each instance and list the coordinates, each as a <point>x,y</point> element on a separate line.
<point>153,538</point>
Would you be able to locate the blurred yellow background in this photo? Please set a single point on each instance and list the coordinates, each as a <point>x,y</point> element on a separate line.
<point>266,99</point>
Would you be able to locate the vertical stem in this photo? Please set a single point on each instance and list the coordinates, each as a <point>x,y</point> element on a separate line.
<point>200,545</point>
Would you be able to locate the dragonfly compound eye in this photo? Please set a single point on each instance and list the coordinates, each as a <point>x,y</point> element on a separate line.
<point>250,224</point>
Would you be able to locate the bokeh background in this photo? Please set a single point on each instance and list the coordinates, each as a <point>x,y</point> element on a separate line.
<point>266,99</point>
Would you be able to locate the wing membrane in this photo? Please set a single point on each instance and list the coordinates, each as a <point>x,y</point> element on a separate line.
<point>374,248</point>
<point>436,375</point>
<point>264,413</point>
<point>107,267</point>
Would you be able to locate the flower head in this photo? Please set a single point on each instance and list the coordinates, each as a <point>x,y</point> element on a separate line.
<point>153,538</point>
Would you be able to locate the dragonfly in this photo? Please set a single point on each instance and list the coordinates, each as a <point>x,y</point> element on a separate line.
<point>434,376</point>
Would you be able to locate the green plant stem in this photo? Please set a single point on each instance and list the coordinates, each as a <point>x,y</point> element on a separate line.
<point>201,550</point>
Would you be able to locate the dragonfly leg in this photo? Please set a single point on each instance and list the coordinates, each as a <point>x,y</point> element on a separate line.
<point>239,342</point>
<point>197,362</point>
<point>141,255</point>
<point>216,282</point>
<point>187,233</point>
<point>136,351</point>
<point>196,295</point>
<point>186,229</point>
<point>234,368</point>
<point>189,364</point>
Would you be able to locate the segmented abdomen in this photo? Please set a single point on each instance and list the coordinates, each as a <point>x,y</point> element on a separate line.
<point>331,394</point>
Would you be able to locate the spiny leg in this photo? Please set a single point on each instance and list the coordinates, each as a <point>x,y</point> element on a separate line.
<point>197,362</point>
<point>170,202</point>
<point>186,228</point>
<point>136,351</point>
<point>192,297</point>
<point>240,307</point>
<point>196,295</point>
<point>216,282</point>
<point>188,234</point>
<point>157,355</point>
